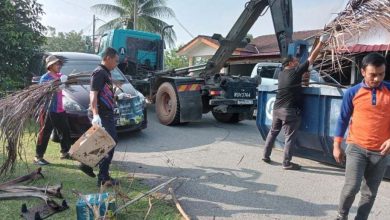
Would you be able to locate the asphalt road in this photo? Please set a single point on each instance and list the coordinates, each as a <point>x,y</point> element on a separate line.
<point>222,177</point>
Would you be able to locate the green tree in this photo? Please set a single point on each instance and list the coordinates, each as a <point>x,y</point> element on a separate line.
<point>148,16</point>
<point>173,60</point>
<point>71,42</point>
<point>20,40</point>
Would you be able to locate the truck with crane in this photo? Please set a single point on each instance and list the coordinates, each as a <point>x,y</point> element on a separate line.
<point>181,98</point>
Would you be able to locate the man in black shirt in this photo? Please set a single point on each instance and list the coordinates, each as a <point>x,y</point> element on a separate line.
<point>287,106</point>
<point>102,110</point>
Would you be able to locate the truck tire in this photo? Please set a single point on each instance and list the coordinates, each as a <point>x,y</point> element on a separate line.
<point>227,117</point>
<point>167,105</point>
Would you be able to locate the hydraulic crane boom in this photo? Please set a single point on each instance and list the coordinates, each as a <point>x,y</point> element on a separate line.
<point>281,11</point>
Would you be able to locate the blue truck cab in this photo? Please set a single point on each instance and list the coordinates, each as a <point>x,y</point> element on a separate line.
<point>135,48</point>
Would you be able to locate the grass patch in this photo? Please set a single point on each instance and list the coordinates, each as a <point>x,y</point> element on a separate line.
<point>67,173</point>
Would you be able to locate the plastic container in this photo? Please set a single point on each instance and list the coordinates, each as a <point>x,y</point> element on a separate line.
<point>105,202</point>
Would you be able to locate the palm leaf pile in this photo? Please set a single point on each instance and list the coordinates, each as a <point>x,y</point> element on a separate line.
<point>357,17</point>
<point>17,110</point>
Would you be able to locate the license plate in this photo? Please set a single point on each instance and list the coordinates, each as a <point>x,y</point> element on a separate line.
<point>242,94</point>
<point>245,102</point>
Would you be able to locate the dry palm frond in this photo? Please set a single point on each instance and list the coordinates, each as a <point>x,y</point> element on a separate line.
<point>358,17</point>
<point>16,112</point>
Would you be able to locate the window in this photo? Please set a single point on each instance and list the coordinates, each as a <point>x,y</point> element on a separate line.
<point>266,71</point>
<point>102,43</point>
<point>143,52</point>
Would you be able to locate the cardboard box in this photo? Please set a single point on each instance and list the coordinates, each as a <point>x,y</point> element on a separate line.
<point>92,146</point>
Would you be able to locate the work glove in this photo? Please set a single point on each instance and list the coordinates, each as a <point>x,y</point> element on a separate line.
<point>64,78</point>
<point>121,96</point>
<point>96,120</point>
<point>325,37</point>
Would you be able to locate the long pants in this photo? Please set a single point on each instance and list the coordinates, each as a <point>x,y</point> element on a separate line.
<point>53,120</point>
<point>361,166</point>
<point>289,119</point>
<point>108,123</point>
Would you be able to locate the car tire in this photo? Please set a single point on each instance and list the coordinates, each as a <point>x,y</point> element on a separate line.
<point>167,105</point>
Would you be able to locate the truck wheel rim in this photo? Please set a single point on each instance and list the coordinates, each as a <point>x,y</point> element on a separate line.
<point>167,103</point>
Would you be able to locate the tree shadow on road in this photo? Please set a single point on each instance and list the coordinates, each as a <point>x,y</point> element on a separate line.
<point>207,131</point>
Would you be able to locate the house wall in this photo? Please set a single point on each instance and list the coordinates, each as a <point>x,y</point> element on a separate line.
<point>201,51</point>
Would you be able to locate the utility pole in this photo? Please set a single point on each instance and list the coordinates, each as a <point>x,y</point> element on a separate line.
<point>93,33</point>
<point>135,14</point>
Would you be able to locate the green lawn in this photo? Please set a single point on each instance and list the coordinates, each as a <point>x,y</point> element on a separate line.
<point>67,173</point>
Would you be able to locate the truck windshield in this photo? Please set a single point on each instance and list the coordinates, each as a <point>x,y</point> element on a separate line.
<point>143,52</point>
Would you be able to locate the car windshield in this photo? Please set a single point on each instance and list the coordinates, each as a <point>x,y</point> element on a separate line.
<point>75,67</point>
<point>117,75</point>
<point>79,66</point>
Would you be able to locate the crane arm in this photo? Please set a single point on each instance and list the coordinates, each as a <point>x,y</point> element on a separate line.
<point>281,11</point>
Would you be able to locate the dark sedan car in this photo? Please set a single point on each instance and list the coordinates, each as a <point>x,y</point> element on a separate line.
<point>130,112</point>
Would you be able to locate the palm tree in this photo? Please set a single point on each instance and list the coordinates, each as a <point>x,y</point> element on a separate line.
<point>148,16</point>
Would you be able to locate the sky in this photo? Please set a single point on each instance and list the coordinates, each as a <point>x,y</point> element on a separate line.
<point>198,17</point>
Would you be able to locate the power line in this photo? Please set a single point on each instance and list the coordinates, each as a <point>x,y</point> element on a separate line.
<point>88,26</point>
<point>182,26</point>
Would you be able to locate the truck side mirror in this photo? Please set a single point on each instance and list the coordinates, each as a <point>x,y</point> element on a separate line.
<point>259,70</point>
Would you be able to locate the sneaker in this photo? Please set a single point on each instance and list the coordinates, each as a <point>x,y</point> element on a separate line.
<point>66,156</point>
<point>341,217</point>
<point>266,159</point>
<point>108,182</point>
<point>291,166</point>
<point>87,170</point>
<point>40,161</point>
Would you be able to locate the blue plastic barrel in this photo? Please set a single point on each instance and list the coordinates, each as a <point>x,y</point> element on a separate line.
<point>319,115</point>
